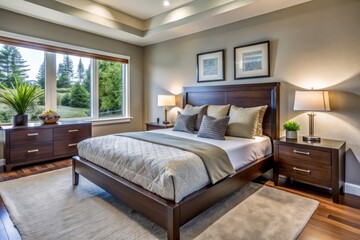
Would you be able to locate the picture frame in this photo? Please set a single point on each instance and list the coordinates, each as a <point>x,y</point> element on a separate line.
<point>211,66</point>
<point>252,60</point>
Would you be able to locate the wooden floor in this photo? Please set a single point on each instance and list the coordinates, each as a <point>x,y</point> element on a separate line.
<point>330,221</point>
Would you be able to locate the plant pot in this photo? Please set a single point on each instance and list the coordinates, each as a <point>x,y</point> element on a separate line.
<point>20,120</point>
<point>291,134</point>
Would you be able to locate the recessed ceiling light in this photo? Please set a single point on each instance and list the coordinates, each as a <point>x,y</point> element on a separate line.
<point>166,3</point>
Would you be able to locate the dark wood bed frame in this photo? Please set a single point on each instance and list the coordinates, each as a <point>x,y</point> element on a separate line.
<point>169,214</point>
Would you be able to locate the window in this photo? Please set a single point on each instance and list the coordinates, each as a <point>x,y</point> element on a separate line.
<point>76,84</point>
<point>73,86</point>
<point>21,64</point>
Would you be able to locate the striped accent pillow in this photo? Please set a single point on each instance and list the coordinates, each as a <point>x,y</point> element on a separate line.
<point>185,123</point>
<point>213,128</point>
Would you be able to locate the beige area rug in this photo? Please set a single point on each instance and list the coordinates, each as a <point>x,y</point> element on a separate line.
<point>47,206</point>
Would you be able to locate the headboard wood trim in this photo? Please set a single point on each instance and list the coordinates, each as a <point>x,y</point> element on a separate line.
<point>241,95</point>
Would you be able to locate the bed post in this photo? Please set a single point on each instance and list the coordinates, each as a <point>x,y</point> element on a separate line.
<point>75,175</point>
<point>173,223</point>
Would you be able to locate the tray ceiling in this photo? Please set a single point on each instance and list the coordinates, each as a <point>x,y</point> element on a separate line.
<point>144,22</point>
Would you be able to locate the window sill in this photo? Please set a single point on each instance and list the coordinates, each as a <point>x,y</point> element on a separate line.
<point>106,121</point>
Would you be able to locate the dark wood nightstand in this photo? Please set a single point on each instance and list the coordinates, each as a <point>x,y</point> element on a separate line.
<point>155,125</point>
<point>320,163</point>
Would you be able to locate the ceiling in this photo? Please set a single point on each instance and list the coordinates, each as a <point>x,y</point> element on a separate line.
<point>144,22</point>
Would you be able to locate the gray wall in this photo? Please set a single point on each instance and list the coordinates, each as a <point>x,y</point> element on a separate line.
<point>20,24</point>
<point>315,44</point>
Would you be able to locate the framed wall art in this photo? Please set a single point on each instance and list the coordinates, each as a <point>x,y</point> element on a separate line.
<point>211,66</point>
<point>252,60</point>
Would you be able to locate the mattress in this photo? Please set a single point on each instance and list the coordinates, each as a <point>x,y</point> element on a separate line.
<point>241,151</point>
<point>169,172</point>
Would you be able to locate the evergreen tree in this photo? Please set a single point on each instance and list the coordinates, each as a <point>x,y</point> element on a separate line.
<point>12,65</point>
<point>87,83</point>
<point>40,77</point>
<point>110,86</point>
<point>81,73</point>
<point>79,96</point>
<point>65,73</point>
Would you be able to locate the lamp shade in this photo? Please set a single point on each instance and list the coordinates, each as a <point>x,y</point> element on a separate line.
<point>311,101</point>
<point>166,100</point>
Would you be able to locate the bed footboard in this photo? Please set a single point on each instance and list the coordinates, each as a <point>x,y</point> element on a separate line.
<point>164,212</point>
<point>161,211</point>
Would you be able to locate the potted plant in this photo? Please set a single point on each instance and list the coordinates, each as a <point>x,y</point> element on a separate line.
<point>291,128</point>
<point>19,98</point>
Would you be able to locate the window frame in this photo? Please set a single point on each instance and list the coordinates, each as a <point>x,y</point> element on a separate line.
<point>50,49</point>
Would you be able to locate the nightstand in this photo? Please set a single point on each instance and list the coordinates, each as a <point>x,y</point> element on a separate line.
<point>319,163</point>
<point>155,125</point>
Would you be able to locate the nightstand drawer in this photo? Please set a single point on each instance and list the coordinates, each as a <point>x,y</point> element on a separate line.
<point>33,136</point>
<point>305,154</point>
<point>72,132</point>
<point>306,171</point>
<point>28,152</point>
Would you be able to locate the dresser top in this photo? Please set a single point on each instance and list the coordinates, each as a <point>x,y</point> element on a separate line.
<point>40,125</point>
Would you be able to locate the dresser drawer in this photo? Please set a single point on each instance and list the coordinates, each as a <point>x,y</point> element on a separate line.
<point>28,152</point>
<point>66,147</point>
<point>305,154</point>
<point>72,132</point>
<point>30,136</point>
<point>310,172</point>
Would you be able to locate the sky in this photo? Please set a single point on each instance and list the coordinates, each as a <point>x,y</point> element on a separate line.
<point>34,58</point>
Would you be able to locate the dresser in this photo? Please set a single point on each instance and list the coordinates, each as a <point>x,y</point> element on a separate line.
<point>38,142</point>
<point>319,163</point>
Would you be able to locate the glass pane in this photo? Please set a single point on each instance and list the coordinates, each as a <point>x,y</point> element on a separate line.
<point>24,64</point>
<point>73,86</point>
<point>110,89</point>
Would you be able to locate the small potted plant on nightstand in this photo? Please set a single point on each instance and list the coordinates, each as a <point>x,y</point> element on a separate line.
<point>291,128</point>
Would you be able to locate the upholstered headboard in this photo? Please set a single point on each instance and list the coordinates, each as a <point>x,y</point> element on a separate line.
<point>242,95</point>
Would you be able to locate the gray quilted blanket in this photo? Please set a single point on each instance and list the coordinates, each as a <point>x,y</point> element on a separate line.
<point>169,172</point>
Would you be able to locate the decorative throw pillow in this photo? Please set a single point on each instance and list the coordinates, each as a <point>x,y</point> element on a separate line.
<point>213,128</point>
<point>242,122</point>
<point>200,111</point>
<point>218,111</point>
<point>185,123</point>
<point>259,122</point>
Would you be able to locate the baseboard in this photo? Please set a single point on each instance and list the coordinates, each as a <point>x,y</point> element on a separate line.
<point>352,189</point>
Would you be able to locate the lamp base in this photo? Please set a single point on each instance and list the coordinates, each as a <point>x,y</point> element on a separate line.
<point>166,122</point>
<point>311,139</point>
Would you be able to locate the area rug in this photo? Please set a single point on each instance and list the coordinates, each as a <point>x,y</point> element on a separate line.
<point>47,206</point>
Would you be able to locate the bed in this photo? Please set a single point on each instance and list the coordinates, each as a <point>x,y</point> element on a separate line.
<point>168,213</point>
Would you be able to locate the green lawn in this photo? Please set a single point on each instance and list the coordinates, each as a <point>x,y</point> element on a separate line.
<point>71,112</point>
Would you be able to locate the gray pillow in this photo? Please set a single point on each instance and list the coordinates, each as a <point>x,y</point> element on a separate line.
<point>200,111</point>
<point>185,123</point>
<point>213,128</point>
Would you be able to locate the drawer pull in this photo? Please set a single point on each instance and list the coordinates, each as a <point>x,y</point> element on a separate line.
<point>33,134</point>
<point>73,130</point>
<point>301,152</point>
<point>301,170</point>
<point>33,150</point>
<point>72,144</point>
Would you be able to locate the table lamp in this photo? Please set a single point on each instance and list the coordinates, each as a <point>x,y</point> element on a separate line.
<point>166,101</point>
<point>312,101</point>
